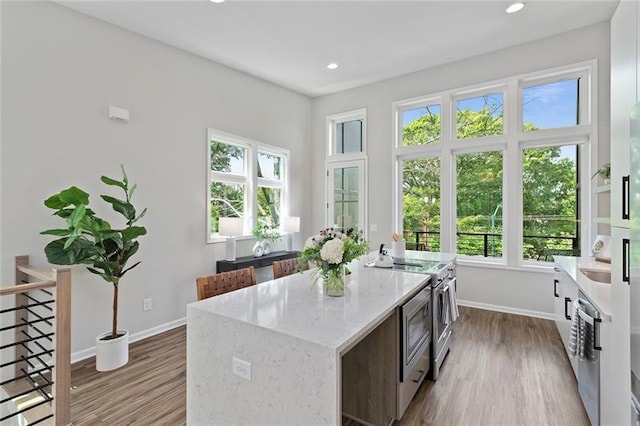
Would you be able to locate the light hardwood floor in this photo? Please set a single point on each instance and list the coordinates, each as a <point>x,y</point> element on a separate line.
<point>502,370</point>
<point>149,390</point>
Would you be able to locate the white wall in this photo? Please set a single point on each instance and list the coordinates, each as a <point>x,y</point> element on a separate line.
<point>60,72</point>
<point>572,47</point>
<point>506,290</point>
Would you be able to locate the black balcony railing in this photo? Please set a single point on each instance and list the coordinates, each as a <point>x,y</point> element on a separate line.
<point>536,247</point>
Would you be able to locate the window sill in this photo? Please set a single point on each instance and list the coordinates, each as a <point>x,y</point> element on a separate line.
<point>215,239</point>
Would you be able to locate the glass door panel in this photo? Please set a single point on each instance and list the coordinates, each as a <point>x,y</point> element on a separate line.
<point>346,202</point>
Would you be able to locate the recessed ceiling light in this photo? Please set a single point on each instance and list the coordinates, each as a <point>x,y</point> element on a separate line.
<point>332,66</point>
<point>217,1</point>
<point>514,7</point>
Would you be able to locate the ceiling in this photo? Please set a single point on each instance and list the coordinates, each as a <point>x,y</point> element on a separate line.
<point>290,43</point>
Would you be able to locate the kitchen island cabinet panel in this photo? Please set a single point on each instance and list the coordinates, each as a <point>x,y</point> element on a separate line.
<point>370,376</point>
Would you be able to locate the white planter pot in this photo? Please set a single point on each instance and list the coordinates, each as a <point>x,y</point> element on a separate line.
<point>112,353</point>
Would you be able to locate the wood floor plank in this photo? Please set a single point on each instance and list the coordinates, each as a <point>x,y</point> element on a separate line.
<point>502,370</point>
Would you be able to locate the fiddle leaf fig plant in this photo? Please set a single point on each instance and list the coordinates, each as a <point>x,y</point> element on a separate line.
<point>89,239</point>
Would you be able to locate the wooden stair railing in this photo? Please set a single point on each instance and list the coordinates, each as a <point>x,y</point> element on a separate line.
<point>38,387</point>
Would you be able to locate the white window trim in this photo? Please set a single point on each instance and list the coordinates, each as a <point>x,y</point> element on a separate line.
<point>335,119</point>
<point>512,142</point>
<point>250,180</point>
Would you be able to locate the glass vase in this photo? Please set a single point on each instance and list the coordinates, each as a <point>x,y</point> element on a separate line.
<point>333,282</point>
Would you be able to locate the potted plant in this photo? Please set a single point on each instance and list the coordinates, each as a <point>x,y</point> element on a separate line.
<point>604,172</point>
<point>331,250</point>
<point>264,234</point>
<point>90,240</point>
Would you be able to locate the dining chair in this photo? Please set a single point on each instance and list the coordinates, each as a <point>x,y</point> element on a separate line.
<point>224,282</point>
<point>282,268</point>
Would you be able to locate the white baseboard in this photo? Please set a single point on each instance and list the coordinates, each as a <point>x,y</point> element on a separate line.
<point>506,309</point>
<point>89,352</point>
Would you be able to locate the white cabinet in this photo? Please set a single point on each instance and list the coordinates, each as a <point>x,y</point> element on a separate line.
<point>615,363</point>
<point>624,71</point>
<point>613,332</point>
<point>565,291</point>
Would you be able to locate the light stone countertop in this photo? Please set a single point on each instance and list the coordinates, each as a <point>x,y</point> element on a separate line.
<point>293,306</point>
<point>599,293</point>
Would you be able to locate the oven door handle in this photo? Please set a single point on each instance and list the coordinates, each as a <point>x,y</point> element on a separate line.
<point>444,290</point>
<point>419,377</point>
<point>594,321</point>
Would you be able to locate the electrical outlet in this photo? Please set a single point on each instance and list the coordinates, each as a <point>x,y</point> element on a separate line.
<point>147,304</point>
<point>241,368</point>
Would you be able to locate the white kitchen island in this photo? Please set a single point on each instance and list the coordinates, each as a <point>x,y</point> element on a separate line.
<point>293,336</point>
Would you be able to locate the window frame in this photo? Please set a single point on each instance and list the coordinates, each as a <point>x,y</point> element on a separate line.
<point>251,180</point>
<point>408,106</point>
<point>332,121</point>
<point>460,95</point>
<point>511,142</point>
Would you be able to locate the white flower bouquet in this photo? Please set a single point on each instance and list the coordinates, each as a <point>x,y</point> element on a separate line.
<point>330,250</point>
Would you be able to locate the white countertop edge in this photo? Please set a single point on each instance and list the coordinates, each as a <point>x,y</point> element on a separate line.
<point>598,293</point>
<point>340,349</point>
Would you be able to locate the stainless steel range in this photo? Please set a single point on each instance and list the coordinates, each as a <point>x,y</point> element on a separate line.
<point>441,286</point>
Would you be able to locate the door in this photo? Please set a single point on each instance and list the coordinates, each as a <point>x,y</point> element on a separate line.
<point>346,195</point>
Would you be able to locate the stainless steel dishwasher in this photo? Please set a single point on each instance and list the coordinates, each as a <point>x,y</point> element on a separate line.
<point>589,365</point>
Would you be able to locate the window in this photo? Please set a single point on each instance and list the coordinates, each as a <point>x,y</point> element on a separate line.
<point>550,213</point>
<point>236,167</point>
<point>420,125</point>
<point>488,189</point>
<point>479,116</point>
<point>421,203</point>
<point>478,200</point>
<point>227,189</point>
<point>551,105</point>
<point>347,134</point>
<point>270,171</point>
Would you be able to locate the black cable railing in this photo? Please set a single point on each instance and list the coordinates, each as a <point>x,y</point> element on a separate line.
<point>35,367</point>
<point>36,371</point>
<point>537,247</point>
